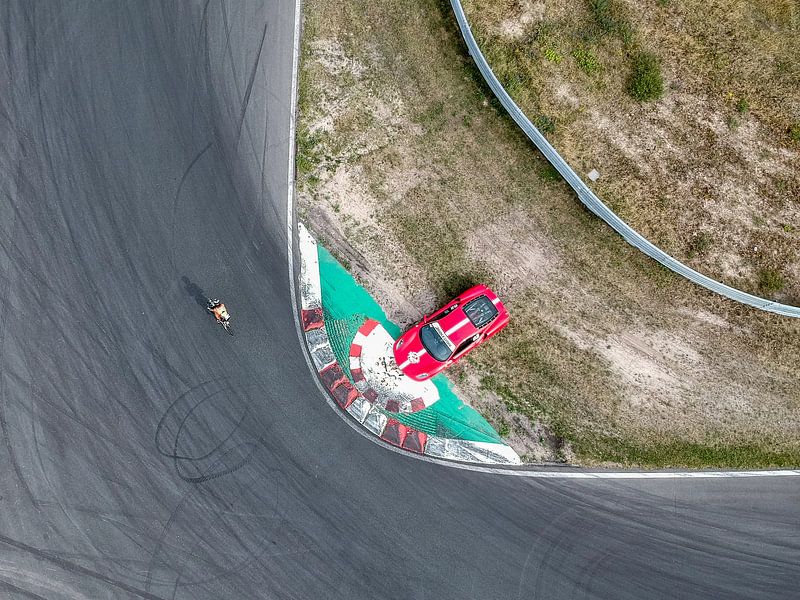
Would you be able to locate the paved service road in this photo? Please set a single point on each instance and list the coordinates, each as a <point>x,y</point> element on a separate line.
<point>146,454</point>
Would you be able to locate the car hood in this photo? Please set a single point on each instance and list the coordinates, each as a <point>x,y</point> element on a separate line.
<point>409,342</point>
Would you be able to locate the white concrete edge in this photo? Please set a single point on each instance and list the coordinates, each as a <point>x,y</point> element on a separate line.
<point>543,474</point>
<point>311,296</point>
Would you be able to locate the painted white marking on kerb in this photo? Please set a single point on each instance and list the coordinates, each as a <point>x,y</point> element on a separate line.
<point>355,426</point>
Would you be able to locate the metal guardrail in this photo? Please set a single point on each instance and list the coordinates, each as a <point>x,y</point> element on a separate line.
<point>592,202</point>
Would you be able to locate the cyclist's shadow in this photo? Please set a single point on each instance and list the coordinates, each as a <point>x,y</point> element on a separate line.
<point>195,291</point>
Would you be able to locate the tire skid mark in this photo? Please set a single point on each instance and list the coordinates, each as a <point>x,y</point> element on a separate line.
<point>219,514</point>
<point>176,200</point>
<point>74,568</point>
<point>10,587</point>
<point>210,389</point>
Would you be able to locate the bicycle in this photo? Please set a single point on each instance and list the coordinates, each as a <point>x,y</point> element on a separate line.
<point>225,322</point>
<point>226,325</point>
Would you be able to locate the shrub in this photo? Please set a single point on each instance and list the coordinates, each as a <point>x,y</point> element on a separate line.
<point>645,82</point>
<point>794,132</point>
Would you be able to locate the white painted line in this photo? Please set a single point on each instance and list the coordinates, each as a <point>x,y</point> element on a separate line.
<point>298,12</point>
<point>562,473</point>
<point>355,363</point>
<point>359,339</point>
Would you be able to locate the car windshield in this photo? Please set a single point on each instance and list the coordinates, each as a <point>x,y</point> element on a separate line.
<point>436,342</point>
<point>480,311</point>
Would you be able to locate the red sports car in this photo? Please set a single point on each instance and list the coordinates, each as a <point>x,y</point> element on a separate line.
<point>441,339</point>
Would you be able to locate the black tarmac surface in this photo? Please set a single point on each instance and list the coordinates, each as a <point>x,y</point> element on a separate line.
<point>147,454</point>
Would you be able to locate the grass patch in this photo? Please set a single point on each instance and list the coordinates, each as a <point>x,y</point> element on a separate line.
<point>549,173</point>
<point>610,18</point>
<point>699,244</point>
<point>544,123</point>
<point>645,83</point>
<point>770,281</point>
<point>308,156</point>
<point>586,60</point>
<point>503,429</point>
<point>742,106</point>
<point>679,454</point>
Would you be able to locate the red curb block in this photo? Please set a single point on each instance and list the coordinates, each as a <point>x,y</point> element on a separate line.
<point>415,441</point>
<point>395,432</point>
<point>355,351</point>
<point>332,376</point>
<point>312,319</point>
<point>345,394</point>
<point>368,326</point>
<point>417,404</point>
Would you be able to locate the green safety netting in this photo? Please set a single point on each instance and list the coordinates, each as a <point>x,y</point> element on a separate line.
<point>346,305</point>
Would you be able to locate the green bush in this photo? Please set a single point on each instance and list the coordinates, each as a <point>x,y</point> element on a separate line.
<point>794,132</point>
<point>645,82</point>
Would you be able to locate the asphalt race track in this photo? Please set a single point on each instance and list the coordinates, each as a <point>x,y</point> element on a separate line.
<point>147,454</point>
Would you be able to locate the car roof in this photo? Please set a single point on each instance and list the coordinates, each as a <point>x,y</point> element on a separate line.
<point>458,325</point>
<point>480,311</point>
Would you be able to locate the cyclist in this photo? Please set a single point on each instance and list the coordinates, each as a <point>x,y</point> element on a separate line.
<point>217,308</point>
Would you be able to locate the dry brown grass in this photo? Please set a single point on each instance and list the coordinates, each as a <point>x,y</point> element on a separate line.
<point>414,177</point>
<point>710,172</point>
